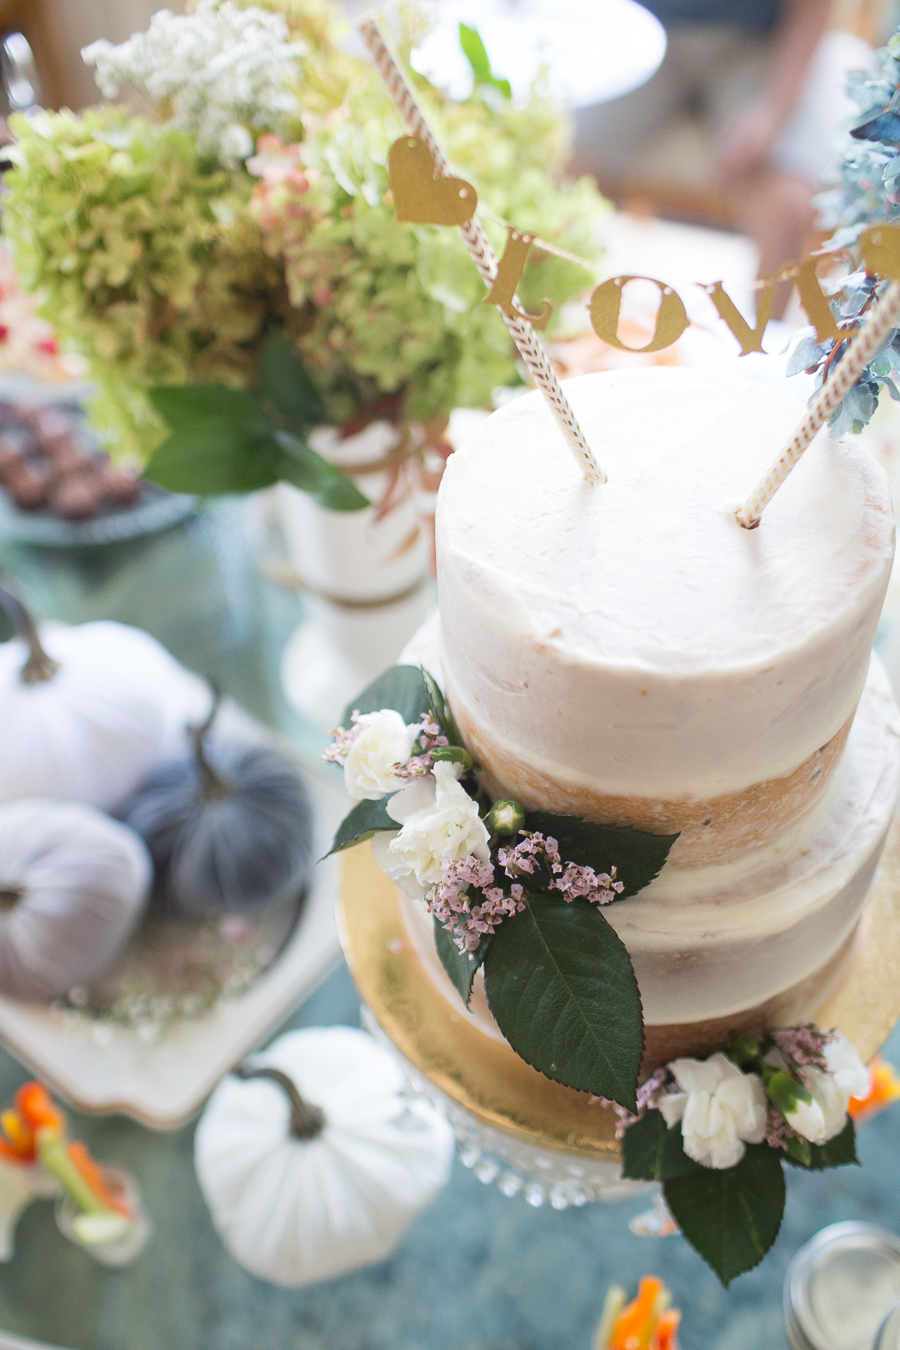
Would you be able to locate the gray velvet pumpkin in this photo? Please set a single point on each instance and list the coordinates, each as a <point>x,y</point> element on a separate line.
<point>73,884</point>
<point>229,829</point>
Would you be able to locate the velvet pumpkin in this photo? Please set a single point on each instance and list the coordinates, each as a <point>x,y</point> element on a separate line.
<point>229,828</point>
<point>86,710</point>
<point>73,884</point>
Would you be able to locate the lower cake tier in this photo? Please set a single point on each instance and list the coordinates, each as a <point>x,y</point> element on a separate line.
<point>765,936</point>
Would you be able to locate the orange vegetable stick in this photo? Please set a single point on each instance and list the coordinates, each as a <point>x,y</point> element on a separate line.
<point>667,1330</point>
<point>19,1136</point>
<point>94,1177</point>
<point>35,1105</point>
<point>10,1154</point>
<point>634,1325</point>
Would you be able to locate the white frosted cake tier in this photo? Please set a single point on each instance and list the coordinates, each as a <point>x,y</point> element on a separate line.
<point>710,941</point>
<point>629,652</point>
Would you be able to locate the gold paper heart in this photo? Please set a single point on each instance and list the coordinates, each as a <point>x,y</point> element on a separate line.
<point>419,196</point>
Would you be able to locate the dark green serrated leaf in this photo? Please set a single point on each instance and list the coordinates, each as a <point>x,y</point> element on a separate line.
<point>300,465</point>
<point>402,688</point>
<point>637,857</point>
<point>652,1151</point>
<point>838,1152</point>
<point>460,968</point>
<point>560,983</point>
<point>366,819</point>
<point>731,1217</point>
<point>286,383</point>
<point>475,53</point>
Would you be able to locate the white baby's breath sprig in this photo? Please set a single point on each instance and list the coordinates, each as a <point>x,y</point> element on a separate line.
<point>226,73</point>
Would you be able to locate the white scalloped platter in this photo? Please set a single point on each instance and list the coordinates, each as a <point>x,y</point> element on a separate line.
<point>103,1067</point>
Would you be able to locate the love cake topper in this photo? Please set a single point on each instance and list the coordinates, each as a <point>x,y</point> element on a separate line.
<point>422,197</point>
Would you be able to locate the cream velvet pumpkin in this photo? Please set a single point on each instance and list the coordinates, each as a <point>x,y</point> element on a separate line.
<point>73,884</point>
<point>297,1210</point>
<point>92,719</point>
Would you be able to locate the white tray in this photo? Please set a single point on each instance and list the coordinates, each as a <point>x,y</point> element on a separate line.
<point>162,1084</point>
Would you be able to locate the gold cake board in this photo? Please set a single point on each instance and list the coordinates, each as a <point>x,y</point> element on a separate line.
<point>488,1079</point>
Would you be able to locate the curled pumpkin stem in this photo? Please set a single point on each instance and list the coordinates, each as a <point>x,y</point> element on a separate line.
<point>306,1121</point>
<point>212,785</point>
<point>39,666</point>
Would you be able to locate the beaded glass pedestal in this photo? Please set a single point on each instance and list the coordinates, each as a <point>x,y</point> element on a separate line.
<point>515,1126</point>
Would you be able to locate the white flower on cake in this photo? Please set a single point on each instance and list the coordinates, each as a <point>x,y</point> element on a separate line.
<point>222,69</point>
<point>439,822</point>
<point>831,1088</point>
<point>720,1108</point>
<point>380,741</point>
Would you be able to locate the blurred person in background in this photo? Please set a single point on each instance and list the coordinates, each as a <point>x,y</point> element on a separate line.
<point>769,94</point>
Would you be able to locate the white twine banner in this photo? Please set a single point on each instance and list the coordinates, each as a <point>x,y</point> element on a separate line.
<point>522,332</point>
<point>859,352</point>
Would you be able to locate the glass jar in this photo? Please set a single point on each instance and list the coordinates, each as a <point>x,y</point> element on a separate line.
<point>840,1286</point>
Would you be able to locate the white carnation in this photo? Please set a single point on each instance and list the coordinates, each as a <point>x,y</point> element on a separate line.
<point>222,70</point>
<point>808,1118</point>
<point>439,822</point>
<point>383,740</point>
<point>720,1109</point>
<point>845,1076</point>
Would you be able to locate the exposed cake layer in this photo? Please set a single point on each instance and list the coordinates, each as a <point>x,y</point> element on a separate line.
<point>712,942</point>
<point>628,651</point>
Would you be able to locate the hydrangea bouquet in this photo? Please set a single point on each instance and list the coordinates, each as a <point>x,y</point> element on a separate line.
<point>232,267</point>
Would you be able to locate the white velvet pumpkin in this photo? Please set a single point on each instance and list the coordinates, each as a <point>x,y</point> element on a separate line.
<point>91,729</point>
<point>73,884</point>
<point>298,1210</point>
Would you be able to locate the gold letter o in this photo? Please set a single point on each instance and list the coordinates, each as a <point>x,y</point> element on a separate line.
<point>671,317</point>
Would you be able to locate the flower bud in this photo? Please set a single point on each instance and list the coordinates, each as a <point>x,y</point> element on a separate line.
<point>452,754</point>
<point>505,817</point>
<point>743,1049</point>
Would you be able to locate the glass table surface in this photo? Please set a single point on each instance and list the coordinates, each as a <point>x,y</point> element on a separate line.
<point>477,1271</point>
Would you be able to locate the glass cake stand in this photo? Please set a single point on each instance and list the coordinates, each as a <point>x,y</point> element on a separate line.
<point>514,1126</point>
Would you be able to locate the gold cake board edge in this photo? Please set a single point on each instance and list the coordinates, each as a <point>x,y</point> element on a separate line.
<point>488,1079</point>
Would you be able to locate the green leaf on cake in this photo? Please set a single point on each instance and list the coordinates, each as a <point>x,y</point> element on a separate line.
<point>836,1153</point>
<point>731,1216</point>
<point>402,688</point>
<point>459,966</point>
<point>366,819</point>
<point>637,857</point>
<point>653,1151</point>
<point>560,984</point>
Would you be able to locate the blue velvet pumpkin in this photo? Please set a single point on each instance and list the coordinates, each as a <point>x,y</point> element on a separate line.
<point>229,829</point>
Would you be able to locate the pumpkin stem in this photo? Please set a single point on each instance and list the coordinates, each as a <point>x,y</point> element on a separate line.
<point>39,666</point>
<point>212,785</point>
<point>307,1121</point>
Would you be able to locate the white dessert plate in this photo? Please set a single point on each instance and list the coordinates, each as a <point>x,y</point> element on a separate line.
<point>101,1067</point>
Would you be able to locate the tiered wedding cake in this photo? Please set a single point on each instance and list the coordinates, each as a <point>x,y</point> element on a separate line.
<point>629,654</point>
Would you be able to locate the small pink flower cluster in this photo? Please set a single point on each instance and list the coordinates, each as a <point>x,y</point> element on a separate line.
<point>803,1046</point>
<point>337,752</point>
<point>429,739</point>
<point>648,1096</point>
<point>778,1131</point>
<point>449,901</point>
<point>572,881</point>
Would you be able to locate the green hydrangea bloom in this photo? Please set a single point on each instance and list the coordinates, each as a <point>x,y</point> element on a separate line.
<point>152,264</point>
